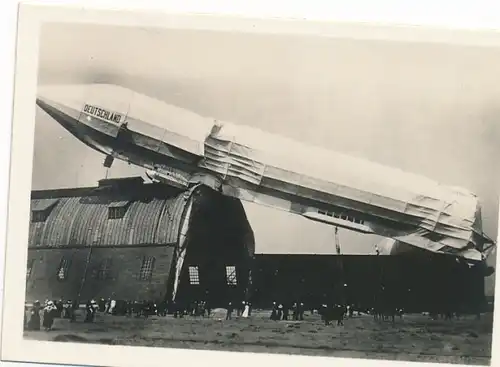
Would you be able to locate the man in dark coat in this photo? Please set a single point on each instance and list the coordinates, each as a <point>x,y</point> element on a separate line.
<point>274,312</point>
<point>301,311</point>
<point>89,312</point>
<point>229,314</point>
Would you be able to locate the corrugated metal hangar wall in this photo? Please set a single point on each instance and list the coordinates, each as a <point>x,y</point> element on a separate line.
<point>121,240</point>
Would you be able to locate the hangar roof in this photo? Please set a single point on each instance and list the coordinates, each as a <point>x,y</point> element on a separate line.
<point>113,214</point>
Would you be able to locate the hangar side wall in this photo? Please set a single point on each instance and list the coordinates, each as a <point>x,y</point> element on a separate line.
<point>417,283</point>
<point>42,283</point>
<point>123,281</point>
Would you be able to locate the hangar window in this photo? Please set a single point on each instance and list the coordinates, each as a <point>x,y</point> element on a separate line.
<point>29,270</point>
<point>37,217</point>
<point>62,272</point>
<point>41,209</point>
<point>104,271</point>
<point>147,268</point>
<point>117,209</point>
<point>194,275</point>
<point>231,275</point>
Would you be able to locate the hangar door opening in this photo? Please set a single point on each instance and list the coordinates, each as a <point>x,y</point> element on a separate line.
<point>219,251</point>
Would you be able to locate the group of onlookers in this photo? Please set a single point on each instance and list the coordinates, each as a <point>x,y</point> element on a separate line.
<point>42,316</point>
<point>281,311</point>
<point>243,309</point>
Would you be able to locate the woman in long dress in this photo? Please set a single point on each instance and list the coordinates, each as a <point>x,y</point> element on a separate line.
<point>49,312</point>
<point>34,321</point>
<point>246,311</point>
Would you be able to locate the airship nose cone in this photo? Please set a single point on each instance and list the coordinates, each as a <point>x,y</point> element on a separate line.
<point>61,100</point>
<point>61,95</point>
<point>73,97</point>
<point>44,96</point>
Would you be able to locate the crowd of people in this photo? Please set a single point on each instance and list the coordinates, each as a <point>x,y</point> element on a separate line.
<point>38,315</point>
<point>281,311</point>
<point>244,309</point>
<point>333,312</point>
<point>43,316</point>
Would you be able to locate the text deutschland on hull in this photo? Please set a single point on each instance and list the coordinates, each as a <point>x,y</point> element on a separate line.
<point>181,148</point>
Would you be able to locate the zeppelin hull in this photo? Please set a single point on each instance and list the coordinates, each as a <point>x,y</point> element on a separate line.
<point>270,170</point>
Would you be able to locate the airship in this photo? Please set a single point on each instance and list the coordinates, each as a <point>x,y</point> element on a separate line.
<point>181,148</point>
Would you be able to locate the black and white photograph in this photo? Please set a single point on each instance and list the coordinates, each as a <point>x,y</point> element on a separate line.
<point>306,194</point>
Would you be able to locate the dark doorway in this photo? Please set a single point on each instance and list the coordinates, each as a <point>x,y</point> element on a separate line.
<point>217,263</point>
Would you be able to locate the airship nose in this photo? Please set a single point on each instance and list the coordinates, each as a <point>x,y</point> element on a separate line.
<point>70,96</point>
<point>61,99</point>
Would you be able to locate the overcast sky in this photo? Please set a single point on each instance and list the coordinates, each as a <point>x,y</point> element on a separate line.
<point>428,109</point>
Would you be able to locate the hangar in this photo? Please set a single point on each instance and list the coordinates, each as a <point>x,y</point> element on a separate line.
<point>417,281</point>
<point>131,240</point>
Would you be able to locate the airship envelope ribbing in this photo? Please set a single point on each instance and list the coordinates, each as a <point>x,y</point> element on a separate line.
<point>181,148</point>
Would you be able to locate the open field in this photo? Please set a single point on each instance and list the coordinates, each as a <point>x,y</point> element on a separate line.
<point>414,338</point>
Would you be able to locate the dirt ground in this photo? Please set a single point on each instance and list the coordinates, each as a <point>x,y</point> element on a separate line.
<point>413,338</point>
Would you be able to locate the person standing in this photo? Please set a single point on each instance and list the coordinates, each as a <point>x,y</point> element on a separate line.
<point>49,313</point>
<point>339,314</point>
<point>65,314</point>
<point>325,314</point>
<point>280,311</point>
<point>274,312</point>
<point>239,308</point>
<point>74,306</point>
<point>286,311</point>
<point>295,311</point>
<point>208,308</point>
<point>246,311</point>
<point>301,312</point>
<point>107,305</point>
<point>112,307</point>
<point>34,321</point>
<point>102,305</point>
<point>89,312</point>
<point>229,313</point>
